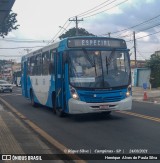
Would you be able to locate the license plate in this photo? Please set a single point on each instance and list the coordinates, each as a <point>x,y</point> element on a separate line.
<point>104,107</point>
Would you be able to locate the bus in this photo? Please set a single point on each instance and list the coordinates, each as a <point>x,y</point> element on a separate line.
<point>17,78</point>
<point>79,75</point>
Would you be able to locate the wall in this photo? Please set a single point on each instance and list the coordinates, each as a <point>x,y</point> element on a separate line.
<point>140,76</point>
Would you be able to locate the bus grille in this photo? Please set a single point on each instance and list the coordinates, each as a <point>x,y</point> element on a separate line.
<point>97,97</point>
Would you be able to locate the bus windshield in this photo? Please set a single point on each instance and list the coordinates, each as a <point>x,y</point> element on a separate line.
<point>99,69</point>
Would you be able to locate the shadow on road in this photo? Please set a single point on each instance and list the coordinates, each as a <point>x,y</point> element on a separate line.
<point>94,117</point>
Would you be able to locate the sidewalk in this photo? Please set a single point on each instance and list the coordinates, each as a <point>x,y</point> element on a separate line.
<point>153,95</point>
<point>17,138</point>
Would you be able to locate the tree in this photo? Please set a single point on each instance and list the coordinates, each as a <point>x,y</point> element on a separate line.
<point>154,65</point>
<point>8,25</point>
<point>72,32</point>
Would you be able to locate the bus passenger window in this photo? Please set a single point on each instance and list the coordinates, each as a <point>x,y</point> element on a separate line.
<point>32,65</point>
<point>51,68</point>
<point>38,66</point>
<point>45,62</point>
<point>51,64</point>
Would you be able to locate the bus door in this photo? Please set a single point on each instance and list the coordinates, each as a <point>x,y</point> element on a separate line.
<point>24,79</point>
<point>59,74</point>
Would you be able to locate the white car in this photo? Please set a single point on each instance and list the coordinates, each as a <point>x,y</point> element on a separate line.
<point>5,86</point>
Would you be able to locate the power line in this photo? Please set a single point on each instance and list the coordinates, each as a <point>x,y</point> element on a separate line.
<point>141,55</point>
<point>134,25</point>
<point>148,35</point>
<point>141,31</point>
<point>62,31</point>
<point>106,9</point>
<point>84,17</point>
<point>24,41</point>
<point>150,27</point>
<point>23,47</point>
<point>87,12</point>
<point>18,56</point>
<point>52,40</point>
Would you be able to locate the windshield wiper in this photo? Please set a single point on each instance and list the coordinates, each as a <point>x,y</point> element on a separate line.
<point>88,57</point>
<point>108,60</point>
<point>93,63</point>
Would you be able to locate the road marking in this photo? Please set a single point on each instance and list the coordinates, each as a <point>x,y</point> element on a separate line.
<point>46,136</point>
<point>140,115</point>
<point>11,94</point>
<point>1,107</point>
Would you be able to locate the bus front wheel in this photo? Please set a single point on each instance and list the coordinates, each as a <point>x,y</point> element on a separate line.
<point>60,112</point>
<point>57,110</point>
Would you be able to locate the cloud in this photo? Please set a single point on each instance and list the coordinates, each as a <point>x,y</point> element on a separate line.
<point>132,13</point>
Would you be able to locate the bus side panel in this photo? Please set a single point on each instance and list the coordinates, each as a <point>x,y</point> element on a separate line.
<point>24,80</point>
<point>51,91</point>
<point>40,86</point>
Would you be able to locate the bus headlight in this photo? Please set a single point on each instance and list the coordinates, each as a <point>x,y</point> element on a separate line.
<point>75,96</point>
<point>74,93</point>
<point>127,94</point>
<point>129,89</point>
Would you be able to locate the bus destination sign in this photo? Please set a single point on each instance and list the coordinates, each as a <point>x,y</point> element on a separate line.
<point>96,42</point>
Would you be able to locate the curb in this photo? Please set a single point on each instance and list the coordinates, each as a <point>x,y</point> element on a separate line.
<point>74,158</point>
<point>157,103</point>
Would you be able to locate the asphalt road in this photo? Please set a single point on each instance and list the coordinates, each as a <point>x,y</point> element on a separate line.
<point>124,131</point>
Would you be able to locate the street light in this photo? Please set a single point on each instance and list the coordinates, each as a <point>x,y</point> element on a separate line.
<point>63,28</point>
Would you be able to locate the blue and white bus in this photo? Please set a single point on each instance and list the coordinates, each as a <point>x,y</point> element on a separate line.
<point>79,75</point>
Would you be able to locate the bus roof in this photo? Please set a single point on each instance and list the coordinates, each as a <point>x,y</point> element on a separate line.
<point>80,42</point>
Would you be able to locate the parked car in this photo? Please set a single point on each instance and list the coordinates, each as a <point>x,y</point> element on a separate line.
<point>5,86</point>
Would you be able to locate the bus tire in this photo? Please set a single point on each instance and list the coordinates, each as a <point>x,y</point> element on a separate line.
<point>60,112</point>
<point>33,103</point>
<point>57,110</point>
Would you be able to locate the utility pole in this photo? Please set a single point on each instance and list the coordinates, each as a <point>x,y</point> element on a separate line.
<point>76,20</point>
<point>134,40</point>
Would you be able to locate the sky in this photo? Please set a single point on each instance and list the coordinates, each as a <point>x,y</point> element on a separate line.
<point>40,22</point>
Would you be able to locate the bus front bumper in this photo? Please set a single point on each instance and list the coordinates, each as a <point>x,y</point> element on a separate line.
<point>80,107</point>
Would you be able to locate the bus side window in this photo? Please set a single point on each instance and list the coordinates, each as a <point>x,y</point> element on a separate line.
<point>51,64</point>
<point>45,62</point>
<point>28,67</point>
<point>32,65</point>
<point>38,67</point>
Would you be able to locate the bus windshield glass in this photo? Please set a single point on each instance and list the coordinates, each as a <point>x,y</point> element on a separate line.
<point>99,69</point>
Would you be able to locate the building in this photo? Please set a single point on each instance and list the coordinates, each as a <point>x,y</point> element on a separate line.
<point>140,63</point>
<point>7,68</point>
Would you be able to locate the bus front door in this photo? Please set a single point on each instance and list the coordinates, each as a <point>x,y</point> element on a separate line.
<point>59,86</point>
